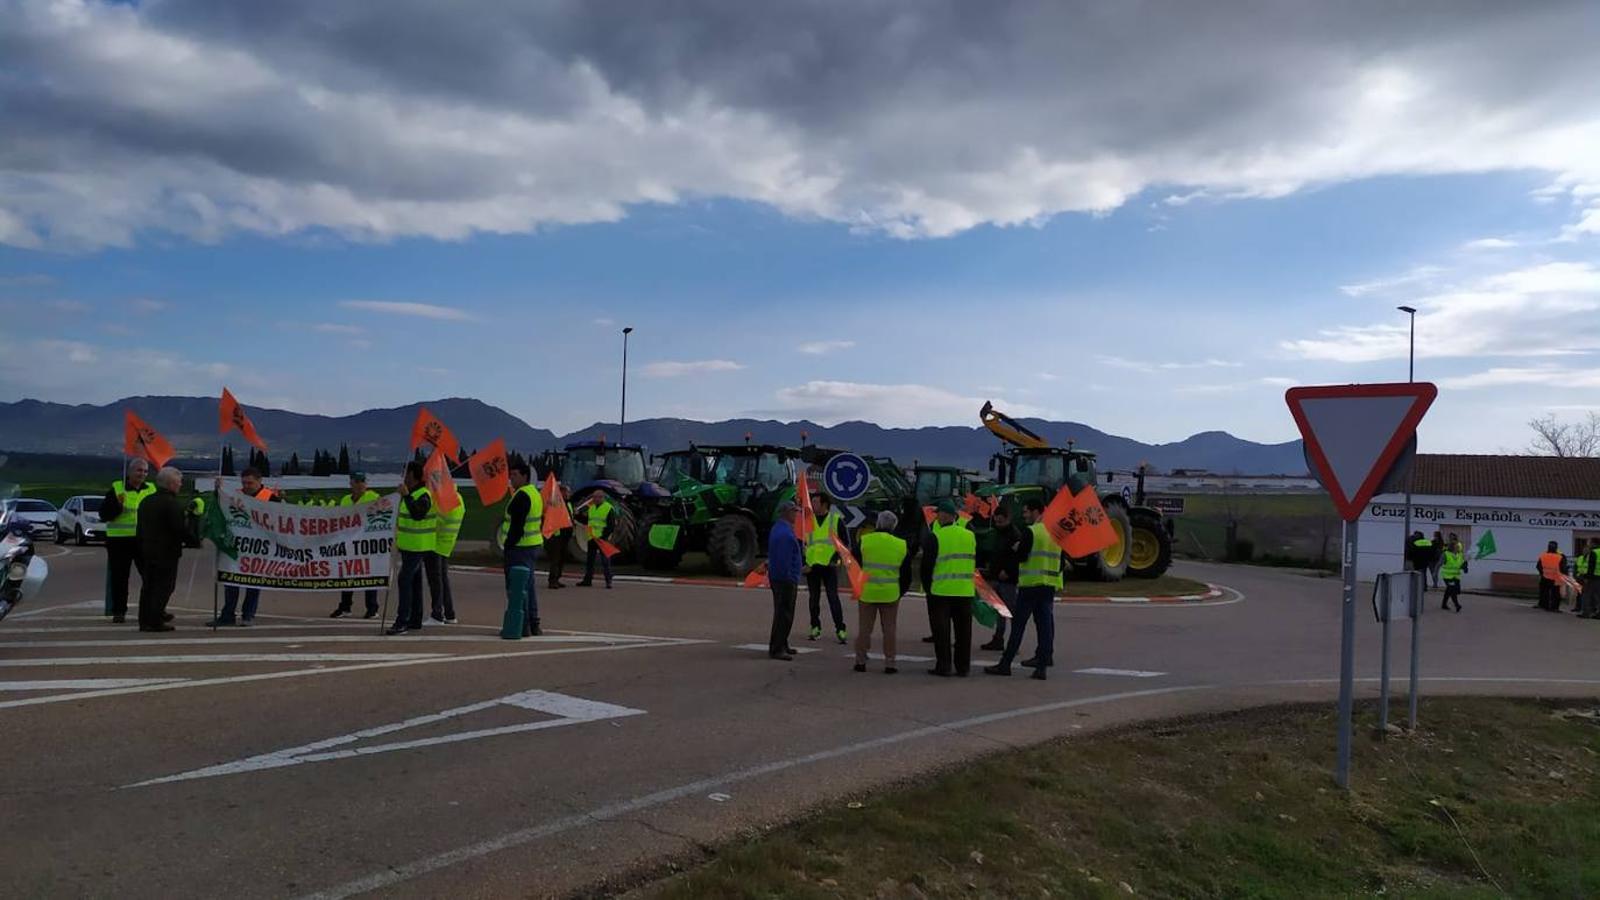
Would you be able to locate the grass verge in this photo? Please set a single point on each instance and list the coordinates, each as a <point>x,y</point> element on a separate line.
<point>1493,798</point>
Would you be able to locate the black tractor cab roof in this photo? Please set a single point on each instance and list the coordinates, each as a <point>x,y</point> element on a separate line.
<point>602,445</point>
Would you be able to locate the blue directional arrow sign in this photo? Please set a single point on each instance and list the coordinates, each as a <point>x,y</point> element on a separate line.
<point>846,477</point>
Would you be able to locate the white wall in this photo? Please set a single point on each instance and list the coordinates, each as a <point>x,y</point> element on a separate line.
<point>1522,527</point>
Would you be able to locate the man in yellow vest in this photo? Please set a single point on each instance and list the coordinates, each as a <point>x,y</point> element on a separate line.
<point>1589,576</point>
<point>949,562</point>
<point>1552,568</point>
<point>886,567</point>
<point>822,559</point>
<point>1452,562</point>
<point>251,485</point>
<point>359,493</point>
<point>521,535</point>
<point>599,513</point>
<point>119,509</point>
<point>444,544</point>
<point>1038,579</point>
<point>415,532</point>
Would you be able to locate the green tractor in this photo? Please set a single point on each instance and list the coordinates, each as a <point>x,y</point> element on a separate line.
<point>671,468</point>
<point>1031,467</point>
<point>727,515</point>
<point>935,483</point>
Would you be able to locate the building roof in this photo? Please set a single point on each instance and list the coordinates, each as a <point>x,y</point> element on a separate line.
<point>1542,477</point>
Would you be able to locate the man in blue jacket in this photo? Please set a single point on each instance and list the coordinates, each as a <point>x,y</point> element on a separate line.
<point>784,563</point>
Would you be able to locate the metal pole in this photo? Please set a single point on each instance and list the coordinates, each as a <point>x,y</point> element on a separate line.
<point>1417,597</point>
<point>1411,373</point>
<point>1347,653</point>
<point>1383,683</point>
<point>622,426</point>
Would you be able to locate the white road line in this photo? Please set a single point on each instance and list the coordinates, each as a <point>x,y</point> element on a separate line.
<point>81,604</point>
<point>330,670</point>
<point>1128,673</point>
<point>407,871</point>
<point>46,662</point>
<point>244,636</point>
<point>567,710</point>
<point>78,684</point>
<point>762,648</point>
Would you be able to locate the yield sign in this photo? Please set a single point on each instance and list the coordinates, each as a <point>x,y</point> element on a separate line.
<point>1354,433</point>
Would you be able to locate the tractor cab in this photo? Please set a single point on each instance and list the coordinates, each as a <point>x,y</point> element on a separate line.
<point>674,466</point>
<point>589,462</point>
<point>935,483</point>
<point>1046,467</point>
<point>753,472</point>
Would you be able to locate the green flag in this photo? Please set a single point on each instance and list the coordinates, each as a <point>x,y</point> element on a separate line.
<point>1486,547</point>
<point>984,614</point>
<point>215,528</point>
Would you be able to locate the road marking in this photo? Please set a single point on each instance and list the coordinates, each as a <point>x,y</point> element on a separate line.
<point>73,684</point>
<point>763,648</point>
<point>29,663</point>
<point>331,670</point>
<point>1127,673</point>
<point>81,604</point>
<point>243,636</point>
<point>407,871</point>
<point>567,710</point>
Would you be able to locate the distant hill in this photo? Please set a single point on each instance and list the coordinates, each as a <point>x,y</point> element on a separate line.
<point>381,434</point>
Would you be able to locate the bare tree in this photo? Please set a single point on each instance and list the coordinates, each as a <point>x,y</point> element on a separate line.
<point>1553,437</point>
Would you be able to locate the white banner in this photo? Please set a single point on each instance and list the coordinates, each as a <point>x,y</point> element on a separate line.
<point>307,548</point>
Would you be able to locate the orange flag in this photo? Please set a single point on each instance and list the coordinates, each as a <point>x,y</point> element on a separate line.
<point>928,514</point>
<point>491,472</point>
<point>981,507</point>
<point>802,499</point>
<point>608,548</point>
<point>429,428</point>
<point>987,595</point>
<point>555,507</point>
<point>139,439</point>
<point>858,578</point>
<point>231,416</point>
<point>1079,523</point>
<point>757,577</point>
<point>437,474</point>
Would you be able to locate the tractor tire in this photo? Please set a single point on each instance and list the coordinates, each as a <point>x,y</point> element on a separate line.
<point>652,557</point>
<point>1110,564</point>
<point>733,545</point>
<point>1150,551</point>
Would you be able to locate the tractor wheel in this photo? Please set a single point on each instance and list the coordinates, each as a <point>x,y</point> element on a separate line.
<point>732,545</point>
<point>656,558</point>
<point>1150,551</point>
<point>1111,563</point>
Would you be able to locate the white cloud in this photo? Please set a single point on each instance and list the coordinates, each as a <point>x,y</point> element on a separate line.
<point>1212,363</point>
<point>605,321</point>
<point>204,119</point>
<point>671,369</point>
<point>73,371</point>
<point>1279,381</point>
<point>1551,309</point>
<point>1138,365</point>
<point>67,306</point>
<point>818,348</point>
<point>890,405</point>
<point>1492,243</point>
<point>1419,275</point>
<point>418,310</point>
<point>145,306</point>
<point>1504,376</point>
<point>32,279</point>
<point>337,328</point>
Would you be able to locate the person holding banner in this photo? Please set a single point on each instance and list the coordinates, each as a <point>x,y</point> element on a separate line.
<point>521,535</point>
<point>359,493</point>
<point>1038,580</point>
<point>949,562</point>
<point>887,569</point>
<point>119,509</point>
<point>250,484</point>
<point>415,533</point>
<point>822,570</point>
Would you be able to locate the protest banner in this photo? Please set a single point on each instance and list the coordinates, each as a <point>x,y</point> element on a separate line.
<point>304,548</point>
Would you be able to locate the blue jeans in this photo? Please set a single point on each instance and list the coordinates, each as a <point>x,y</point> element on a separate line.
<point>1039,604</point>
<point>230,600</point>
<point>526,557</point>
<point>409,610</point>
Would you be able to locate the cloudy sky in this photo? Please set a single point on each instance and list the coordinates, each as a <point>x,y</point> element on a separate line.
<point>1151,217</point>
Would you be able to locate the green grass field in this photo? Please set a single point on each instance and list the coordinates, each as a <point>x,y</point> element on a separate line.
<point>1494,798</point>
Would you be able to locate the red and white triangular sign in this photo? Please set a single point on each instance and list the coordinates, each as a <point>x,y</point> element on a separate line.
<point>1354,433</point>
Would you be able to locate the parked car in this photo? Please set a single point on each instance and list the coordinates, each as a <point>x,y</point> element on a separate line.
<point>79,520</point>
<point>39,514</point>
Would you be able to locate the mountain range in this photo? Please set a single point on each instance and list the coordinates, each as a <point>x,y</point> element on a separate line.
<point>190,423</point>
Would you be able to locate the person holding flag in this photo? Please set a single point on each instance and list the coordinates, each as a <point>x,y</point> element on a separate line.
<point>1038,580</point>
<point>949,564</point>
<point>359,493</point>
<point>415,534</point>
<point>444,545</point>
<point>597,513</point>
<point>521,535</point>
<point>822,557</point>
<point>555,498</point>
<point>119,509</point>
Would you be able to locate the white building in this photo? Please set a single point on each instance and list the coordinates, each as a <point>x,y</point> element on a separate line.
<point>1524,501</point>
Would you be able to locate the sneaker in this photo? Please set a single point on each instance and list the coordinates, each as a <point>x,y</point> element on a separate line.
<point>997,670</point>
<point>397,629</point>
<point>246,623</point>
<point>844,636</point>
<point>370,614</point>
<point>816,632</point>
<point>167,617</point>
<point>783,656</point>
<point>451,620</point>
<point>995,644</point>
<point>1031,662</point>
<point>118,620</point>
<point>339,613</point>
<point>1038,674</point>
<point>437,618</point>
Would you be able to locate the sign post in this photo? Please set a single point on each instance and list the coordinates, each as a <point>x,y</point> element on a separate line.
<point>1353,436</point>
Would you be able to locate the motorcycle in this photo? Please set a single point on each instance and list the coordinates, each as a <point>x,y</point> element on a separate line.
<point>22,572</point>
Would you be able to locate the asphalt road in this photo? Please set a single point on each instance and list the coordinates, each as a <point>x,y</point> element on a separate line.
<point>311,757</point>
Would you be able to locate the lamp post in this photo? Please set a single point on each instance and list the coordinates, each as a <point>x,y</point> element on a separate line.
<point>1416,622</point>
<point>1411,375</point>
<point>622,426</point>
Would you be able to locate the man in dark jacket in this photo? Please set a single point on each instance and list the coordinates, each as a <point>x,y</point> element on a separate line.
<point>162,531</point>
<point>784,562</point>
<point>999,561</point>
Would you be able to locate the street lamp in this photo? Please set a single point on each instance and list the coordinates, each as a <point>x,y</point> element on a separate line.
<point>622,426</point>
<point>1411,364</point>
<point>1411,474</point>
